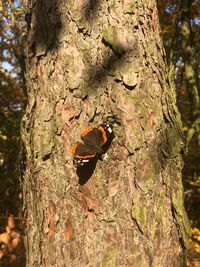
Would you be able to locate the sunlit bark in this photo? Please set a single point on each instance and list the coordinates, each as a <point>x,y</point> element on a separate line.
<point>88,62</point>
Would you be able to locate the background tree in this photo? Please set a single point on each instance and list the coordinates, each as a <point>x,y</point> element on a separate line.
<point>89,61</point>
<point>182,47</point>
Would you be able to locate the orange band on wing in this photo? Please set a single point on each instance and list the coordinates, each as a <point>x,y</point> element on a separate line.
<point>73,148</point>
<point>103,133</point>
<point>85,157</point>
<point>89,129</point>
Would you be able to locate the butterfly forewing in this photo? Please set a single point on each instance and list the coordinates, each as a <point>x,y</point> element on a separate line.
<point>84,151</point>
<point>106,131</point>
<point>92,138</point>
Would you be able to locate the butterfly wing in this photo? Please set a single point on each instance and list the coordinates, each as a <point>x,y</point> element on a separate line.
<point>91,137</point>
<point>96,137</point>
<point>105,132</point>
<point>82,153</point>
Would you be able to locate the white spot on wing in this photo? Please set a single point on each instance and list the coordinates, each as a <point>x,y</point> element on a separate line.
<point>109,130</point>
<point>85,160</point>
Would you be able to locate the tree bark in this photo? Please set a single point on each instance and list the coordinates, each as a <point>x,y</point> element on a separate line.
<point>89,61</point>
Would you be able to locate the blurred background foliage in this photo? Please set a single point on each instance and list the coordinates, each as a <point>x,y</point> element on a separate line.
<point>180,24</point>
<point>12,103</point>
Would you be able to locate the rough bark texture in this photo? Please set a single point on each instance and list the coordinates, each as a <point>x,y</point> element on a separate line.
<point>89,60</point>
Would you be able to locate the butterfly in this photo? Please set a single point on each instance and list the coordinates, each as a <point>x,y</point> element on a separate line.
<point>94,138</point>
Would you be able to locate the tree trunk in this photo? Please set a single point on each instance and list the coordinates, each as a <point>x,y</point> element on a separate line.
<point>91,61</point>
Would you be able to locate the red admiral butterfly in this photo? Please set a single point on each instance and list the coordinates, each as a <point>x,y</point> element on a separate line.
<point>93,138</point>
